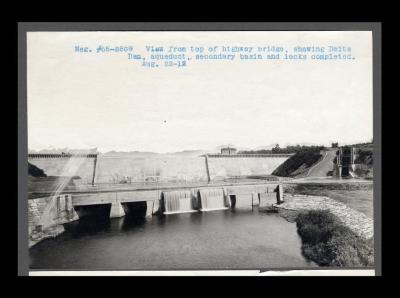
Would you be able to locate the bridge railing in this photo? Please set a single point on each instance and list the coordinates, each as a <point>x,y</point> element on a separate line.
<point>250,155</point>
<point>61,155</point>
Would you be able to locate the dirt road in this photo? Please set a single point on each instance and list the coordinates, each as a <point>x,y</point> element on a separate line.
<point>324,166</point>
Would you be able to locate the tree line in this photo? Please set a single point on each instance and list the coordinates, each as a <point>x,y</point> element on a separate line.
<point>285,150</point>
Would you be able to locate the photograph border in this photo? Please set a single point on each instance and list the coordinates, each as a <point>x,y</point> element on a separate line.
<point>25,27</point>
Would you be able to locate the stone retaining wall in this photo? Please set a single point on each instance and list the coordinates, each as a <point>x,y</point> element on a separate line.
<point>46,217</point>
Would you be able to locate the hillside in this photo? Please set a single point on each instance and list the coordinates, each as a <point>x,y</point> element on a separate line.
<point>364,156</point>
<point>34,171</point>
<point>300,162</point>
<point>364,163</point>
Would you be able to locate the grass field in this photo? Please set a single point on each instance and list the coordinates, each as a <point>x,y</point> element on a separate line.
<point>360,199</point>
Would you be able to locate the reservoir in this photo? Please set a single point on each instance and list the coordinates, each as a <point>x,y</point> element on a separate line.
<point>240,238</point>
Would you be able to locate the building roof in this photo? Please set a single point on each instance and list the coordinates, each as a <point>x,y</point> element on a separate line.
<point>228,148</point>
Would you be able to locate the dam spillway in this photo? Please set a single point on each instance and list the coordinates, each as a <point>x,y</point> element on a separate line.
<point>213,199</point>
<point>178,202</point>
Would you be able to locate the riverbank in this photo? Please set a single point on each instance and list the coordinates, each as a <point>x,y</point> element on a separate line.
<point>332,233</point>
<point>326,241</point>
<point>37,236</point>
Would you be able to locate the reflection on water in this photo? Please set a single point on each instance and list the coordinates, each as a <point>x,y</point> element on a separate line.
<point>221,239</point>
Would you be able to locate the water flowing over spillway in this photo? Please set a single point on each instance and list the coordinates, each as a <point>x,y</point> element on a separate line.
<point>213,199</point>
<point>178,202</point>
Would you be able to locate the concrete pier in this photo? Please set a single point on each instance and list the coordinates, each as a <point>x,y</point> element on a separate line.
<point>116,210</point>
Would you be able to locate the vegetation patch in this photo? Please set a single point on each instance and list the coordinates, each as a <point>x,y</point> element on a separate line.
<point>279,150</point>
<point>35,171</point>
<point>305,157</point>
<point>327,242</point>
<point>364,163</point>
<point>365,156</point>
<point>322,188</point>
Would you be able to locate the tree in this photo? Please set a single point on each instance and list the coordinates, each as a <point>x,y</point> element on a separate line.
<point>276,149</point>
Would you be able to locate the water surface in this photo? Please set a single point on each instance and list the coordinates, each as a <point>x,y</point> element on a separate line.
<point>225,239</point>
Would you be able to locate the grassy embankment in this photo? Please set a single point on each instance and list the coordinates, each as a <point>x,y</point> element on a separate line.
<point>34,171</point>
<point>358,196</point>
<point>327,242</point>
<point>300,162</point>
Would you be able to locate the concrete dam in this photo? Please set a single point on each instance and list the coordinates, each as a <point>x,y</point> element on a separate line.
<point>115,186</point>
<point>98,169</point>
<point>48,213</point>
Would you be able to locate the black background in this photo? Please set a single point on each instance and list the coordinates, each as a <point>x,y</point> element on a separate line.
<point>133,11</point>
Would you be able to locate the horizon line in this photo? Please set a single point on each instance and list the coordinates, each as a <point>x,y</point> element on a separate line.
<point>253,148</point>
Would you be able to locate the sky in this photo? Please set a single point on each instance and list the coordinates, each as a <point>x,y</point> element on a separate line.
<point>109,102</point>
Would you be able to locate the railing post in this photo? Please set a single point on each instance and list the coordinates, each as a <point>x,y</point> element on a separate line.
<point>207,169</point>
<point>279,194</point>
<point>94,169</point>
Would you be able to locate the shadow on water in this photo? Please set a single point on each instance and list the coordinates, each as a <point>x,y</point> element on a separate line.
<point>93,219</point>
<point>131,222</point>
<point>88,226</point>
<point>196,217</point>
<point>162,220</point>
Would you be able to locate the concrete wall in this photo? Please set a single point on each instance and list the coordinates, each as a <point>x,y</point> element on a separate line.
<point>222,167</point>
<point>61,166</point>
<point>166,168</point>
<point>111,169</point>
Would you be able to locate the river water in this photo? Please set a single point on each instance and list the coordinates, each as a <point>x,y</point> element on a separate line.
<point>224,239</point>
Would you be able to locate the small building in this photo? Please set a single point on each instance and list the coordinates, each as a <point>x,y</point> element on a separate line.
<point>228,151</point>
